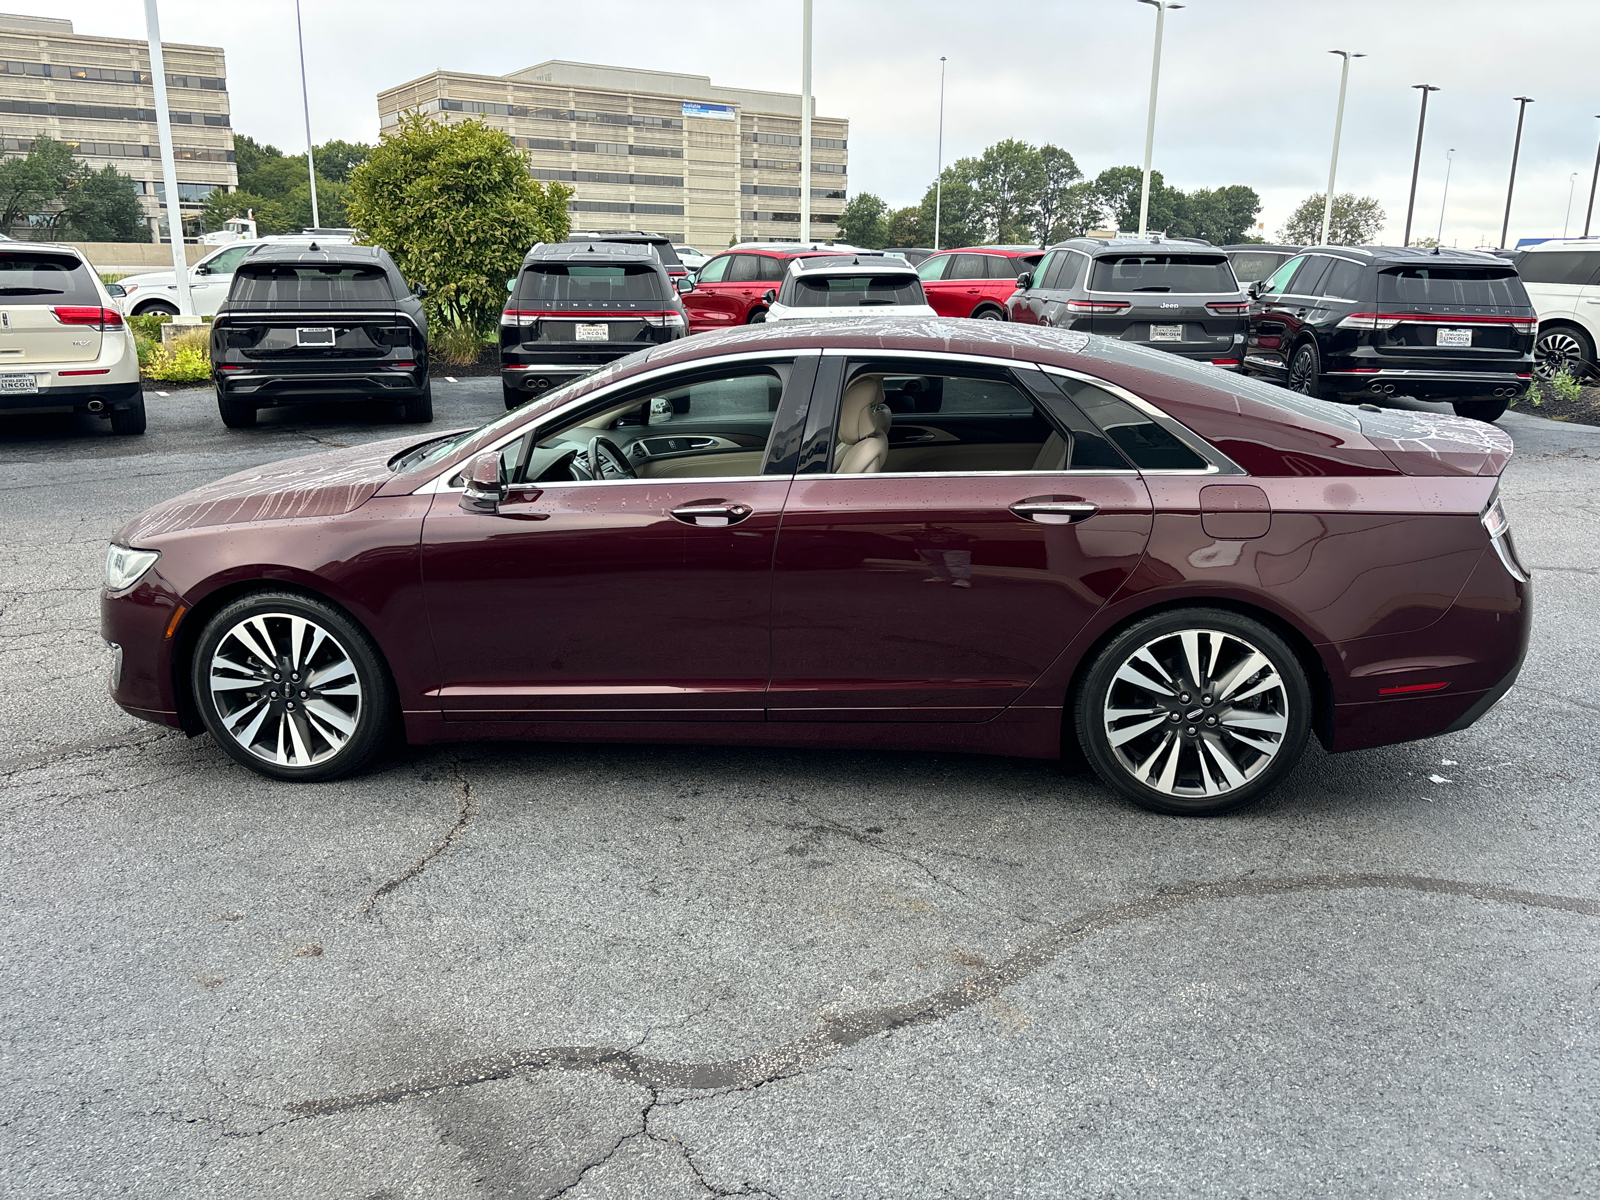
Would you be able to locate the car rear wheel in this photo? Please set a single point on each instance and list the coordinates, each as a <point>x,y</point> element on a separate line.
<point>1563,348</point>
<point>130,419</point>
<point>988,314</point>
<point>291,687</point>
<point>759,317</point>
<point>158,309</point>
<point>419,408</point>
<point>1304,369</point>
<point>1480,410</point>
<point>236,414</point>
<point>1194,712</point>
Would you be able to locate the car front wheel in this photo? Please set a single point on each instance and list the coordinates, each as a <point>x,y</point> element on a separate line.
<point>291,687</point>
<point>1194,711</point>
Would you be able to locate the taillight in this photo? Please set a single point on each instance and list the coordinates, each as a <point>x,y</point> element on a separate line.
<point>1098,306</point>
<point>1390,320</point>
<point>1229,307</point>
<point>666,320</point>
<point>1369,321</point>
<point>1498,527</point>
<point>75,314</point>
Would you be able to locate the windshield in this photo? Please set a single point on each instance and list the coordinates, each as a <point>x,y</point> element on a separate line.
<point>34,278</point>
<point>591,284</point>
<point>853,291</point>
<point>1163,273</point>
<point>1255,264</point>
<point>309,283</point>
<point>1497,286</point>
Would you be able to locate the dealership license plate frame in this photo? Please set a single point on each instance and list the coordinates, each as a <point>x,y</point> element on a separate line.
<point>1166,333</point>
<point>1455,339</point>
<point>591,332</point>
<point>318,342</point>
<point>19,383</point>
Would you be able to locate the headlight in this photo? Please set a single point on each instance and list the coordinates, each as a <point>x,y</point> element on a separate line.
<point>124,567</point>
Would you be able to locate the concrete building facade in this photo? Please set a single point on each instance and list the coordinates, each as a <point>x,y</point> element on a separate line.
<point>94,93</point>
<point>652,150</point>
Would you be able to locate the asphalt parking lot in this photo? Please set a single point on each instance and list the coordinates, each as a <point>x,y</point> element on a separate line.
<point>540,970</point>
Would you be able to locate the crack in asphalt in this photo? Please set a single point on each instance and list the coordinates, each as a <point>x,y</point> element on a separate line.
<point>26,762</point>
<point>843,1031</point>
<point>1538,691</point>
<point>466,809</point>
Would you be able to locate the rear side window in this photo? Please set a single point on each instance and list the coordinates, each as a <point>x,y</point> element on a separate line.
<point>854,291</point>
<point>1067,272</point>
<point>590,283</point>
<point>1344,281</point>
<point>1163,273</point>
<point>309,283</point>
<point>1499,286</point>
<point>1576,267</point>
<point>30,277</point>
<point>769,269</point>
<point>1149,446</point>
<point>746,269</point>
<point>1001,267</point>
<point>667,253</point>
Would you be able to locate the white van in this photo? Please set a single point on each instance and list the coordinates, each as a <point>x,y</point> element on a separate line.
<point>1563,281</point>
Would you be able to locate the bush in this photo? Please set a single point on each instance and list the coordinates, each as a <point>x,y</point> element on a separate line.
<point>187,360</point>
<point>148,328</point>
<point>1561,386</point>
<point>458,345</point>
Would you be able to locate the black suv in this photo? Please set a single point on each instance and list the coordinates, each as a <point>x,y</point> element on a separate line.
<point>303,323</point>
<point>1169,294</point>
<point>575,306</point>
<point>1347,322</point>
<point>659,242</point>
<point>1255,261</point>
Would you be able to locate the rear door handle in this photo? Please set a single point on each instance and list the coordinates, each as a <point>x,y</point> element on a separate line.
<point>711,513</point>
<point>1054,512</point>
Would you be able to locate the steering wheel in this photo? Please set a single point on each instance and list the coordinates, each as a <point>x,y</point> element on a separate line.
<point>620,465</point>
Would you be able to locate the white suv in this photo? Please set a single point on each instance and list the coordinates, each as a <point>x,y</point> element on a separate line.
<point>210,278</point>
<point>833,287</point>
<point>64,347</point>
<point>1563,281</point>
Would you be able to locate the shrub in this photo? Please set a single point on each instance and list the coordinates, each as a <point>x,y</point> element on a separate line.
<point>1561,386</point>
<point>458,345</point>
<point>148,328</point>
<point>187,360</point>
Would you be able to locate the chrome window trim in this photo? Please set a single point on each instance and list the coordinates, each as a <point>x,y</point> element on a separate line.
<point>1128,472</point>
<point>440,484</point>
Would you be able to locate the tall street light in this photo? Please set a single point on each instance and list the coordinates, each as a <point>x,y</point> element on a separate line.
<point>938,175</point>
<point>169,169</point>
<point>1567,220</point>
<point>1449,161</point>
<point>1516,148</point>
<point>1338,126</point>
<point>1594,179</point>
<point>1161,7</point>
<point>1416,160</point>
<point>805,121</point>
<point>305,100</point>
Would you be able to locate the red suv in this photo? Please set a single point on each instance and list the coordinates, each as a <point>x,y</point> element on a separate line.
<point>977,282</point>
<point>729,289</point>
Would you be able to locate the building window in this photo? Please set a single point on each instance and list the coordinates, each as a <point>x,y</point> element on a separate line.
<point>604,118</point>
<point>764,189</point>
<point>786,139</point>
<point>618,206</point>
<point>673,181</point>
<point>104,112</point>
<point>188,193</point>
<point>788,218</point>
<point>534,143</point>
<point>210,83</point>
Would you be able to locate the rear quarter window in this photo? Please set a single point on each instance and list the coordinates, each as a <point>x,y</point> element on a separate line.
<point>31,277</point>
<point>309,283</point>
<point>1496,286</point>
<point>598,283</point>
<point>1163,273</point>
<point>1575,267</point>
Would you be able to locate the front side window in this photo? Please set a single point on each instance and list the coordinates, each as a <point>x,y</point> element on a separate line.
<point>310,284</point>
<point>1496,286</point>
<point>1163,273</point>
<point>1280,278</point>
<point>1041,273</point>
<point>715,270</point>
<point>227,261</point>
<point>933,268</point>
<point>590,284</point>
<point>852,291</point>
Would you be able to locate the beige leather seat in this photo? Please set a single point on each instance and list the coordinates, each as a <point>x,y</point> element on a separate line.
<point>1052,455</point>
<point>864,421</point>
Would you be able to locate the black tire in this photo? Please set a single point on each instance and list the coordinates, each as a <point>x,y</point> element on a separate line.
<point>419,408</point>
<point>1181,766</point>
<point>263,716</point>
<point>236,414</point>
<point>156,309</point>
<point>514,398</point>
<point>1480,410</point>
<point>988,314</point>
<point>130,419</point>
<point>759,317</point>
<point>1563,348</point>
<point>1305,370</point>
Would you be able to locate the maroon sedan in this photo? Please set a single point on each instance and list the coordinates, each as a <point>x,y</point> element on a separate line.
<point>921,535</point>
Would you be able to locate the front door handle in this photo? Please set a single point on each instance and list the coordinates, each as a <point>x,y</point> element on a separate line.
<point>711,513</point>
<point>1046,510</point>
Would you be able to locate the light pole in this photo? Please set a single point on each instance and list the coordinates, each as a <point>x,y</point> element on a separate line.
<point>1592,181</point>
<point>305,100</point>
<point>805,121</point>
<point>938,175</point>
<point>1449,161</point>
<point>1416,161</point>
<point>1338,126</point>
<point>169,169</point>
<point>1572,182</point>
<point>1161,7</point>
<point>1516,148</point>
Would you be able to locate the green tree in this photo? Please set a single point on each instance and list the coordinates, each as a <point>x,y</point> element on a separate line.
<point>906,227</point>
<point>961,220</point>
<point>101,206</point>
<point>249,155</point>
<point>1058,205</point>
<point>270,215</point>
<point>862,222</point>
<point>1356,220</point>
<point>30,183</point>
<point>1220,215</point>
<point>1007,180</point>
<point>1118,190</point>
<point>336,159</point>
<point>456,207</point>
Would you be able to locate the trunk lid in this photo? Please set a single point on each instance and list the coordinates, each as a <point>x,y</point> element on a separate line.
<point>50,309</point>
<point>1421,443</point>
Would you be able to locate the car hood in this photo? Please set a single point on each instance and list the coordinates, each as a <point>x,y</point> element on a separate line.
<point>318,485</point>
<point>1424,443</point>
<point>151,279</point>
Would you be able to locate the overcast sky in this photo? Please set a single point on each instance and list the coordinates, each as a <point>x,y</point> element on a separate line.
<point>1248,87</point>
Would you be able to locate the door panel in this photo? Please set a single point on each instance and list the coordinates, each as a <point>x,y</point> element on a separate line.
<point>928,599</point>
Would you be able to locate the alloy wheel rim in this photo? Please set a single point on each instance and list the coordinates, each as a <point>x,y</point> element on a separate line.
<point>1300,373</point>
<point>1557,352</point>
<point>285,689</point>
<point>1196,714</point>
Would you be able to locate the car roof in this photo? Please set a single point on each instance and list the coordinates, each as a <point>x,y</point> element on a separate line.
<point>1102,246</point>
<point>1261,246</point>
<point>850,264</point>
<point>1009,251</point>
<point>637,251</point>
<point>797,248</point>
<point>1589,243</point>
<point>53,247</point>
<point>1411,254</point>
<point>312,252</point>
<point>618,235</point>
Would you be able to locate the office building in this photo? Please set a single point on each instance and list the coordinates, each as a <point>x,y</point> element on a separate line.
<point>652,150</point>
<point>94,93</point>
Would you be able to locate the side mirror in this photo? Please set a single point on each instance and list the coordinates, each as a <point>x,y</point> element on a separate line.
<point>419,290</point>
<point>116,291</point>
<point>1024,281</point>
<point>485,489</point>
<point>1253,289</point>
<point>685,285</point>
<point>201,269</point>
<point>770,296</point>
<point>511,286</point>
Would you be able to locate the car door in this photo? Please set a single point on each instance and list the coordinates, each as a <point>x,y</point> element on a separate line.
<point>714,302</point>
<point>1024,304</point>
<point>940,588</point>
<point>943,294</point>
<point>209,288</point>
<point>623,599</point>
<point>1272,322</point>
